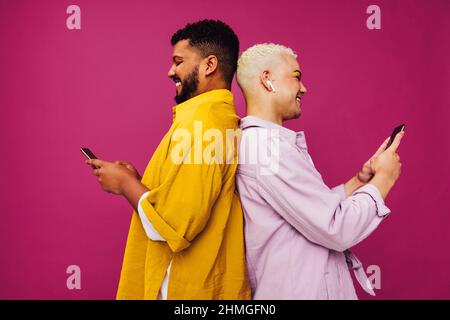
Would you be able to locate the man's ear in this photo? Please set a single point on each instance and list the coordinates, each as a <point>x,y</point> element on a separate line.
<point>264,77</point>
<point>211,64</point>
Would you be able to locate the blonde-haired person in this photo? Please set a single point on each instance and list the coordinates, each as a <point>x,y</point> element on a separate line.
<point>298,231</point>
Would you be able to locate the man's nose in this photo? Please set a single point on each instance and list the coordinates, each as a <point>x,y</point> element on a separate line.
<point>171,72</point>
<point>302,88</point>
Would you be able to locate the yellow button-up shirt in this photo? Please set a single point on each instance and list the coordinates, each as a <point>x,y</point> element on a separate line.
<point>194,207</point>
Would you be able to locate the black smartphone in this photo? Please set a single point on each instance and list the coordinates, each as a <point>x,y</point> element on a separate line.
<point>394,133</point>
<point>89,154</point>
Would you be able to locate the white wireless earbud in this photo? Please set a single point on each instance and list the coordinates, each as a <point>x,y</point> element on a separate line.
<point>271,85</point>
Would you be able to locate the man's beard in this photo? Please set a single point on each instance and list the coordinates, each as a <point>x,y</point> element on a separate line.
<point>188,87</point>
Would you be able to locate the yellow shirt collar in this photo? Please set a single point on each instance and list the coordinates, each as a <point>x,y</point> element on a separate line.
<point>216,95</point>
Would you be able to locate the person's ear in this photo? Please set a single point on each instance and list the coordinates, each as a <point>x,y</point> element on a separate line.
<point>266,82</point>
<point>211,64</point>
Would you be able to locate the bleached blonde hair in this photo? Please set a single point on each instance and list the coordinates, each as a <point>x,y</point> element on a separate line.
<point>253,61</point>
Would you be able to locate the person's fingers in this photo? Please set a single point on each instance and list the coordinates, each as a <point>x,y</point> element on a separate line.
<point>124,163</point>
<point>385,142</point>
<point>382,147</point>
<point>396,143</point>
<point>96,172</point>
<point>95,162</point>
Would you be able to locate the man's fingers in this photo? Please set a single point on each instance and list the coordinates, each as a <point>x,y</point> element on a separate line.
<point>396,143</point>
<point>382,147</point>
<point>95,162</point>
<point>122,162</point>
<point>386,141</point>
<point>126,164</point>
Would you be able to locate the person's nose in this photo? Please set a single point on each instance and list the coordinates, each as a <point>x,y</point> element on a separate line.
<point>302,88</point>
<point>171,72</point>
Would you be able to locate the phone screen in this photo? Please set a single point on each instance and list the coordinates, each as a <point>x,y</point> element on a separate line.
<point>394,133</point>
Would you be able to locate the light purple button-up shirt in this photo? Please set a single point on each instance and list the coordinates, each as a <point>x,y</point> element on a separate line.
<point>298,230</point>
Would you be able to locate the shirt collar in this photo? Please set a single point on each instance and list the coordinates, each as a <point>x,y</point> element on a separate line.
<point>296,138</point>
<point>216,95</point>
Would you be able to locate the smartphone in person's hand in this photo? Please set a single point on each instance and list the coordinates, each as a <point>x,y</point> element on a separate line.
<point>89,154</point>
<point>394,133</point>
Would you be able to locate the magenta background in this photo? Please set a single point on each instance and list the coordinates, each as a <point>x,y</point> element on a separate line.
<point>106,87</point>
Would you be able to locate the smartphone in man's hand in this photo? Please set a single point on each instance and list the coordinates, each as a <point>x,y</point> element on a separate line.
<point>89,154</point>
<point>394,133</point>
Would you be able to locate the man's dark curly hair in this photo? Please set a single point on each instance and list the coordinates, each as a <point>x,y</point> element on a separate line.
<point>212,37</point>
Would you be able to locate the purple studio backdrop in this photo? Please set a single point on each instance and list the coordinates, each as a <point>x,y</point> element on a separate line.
<point>105,86</point>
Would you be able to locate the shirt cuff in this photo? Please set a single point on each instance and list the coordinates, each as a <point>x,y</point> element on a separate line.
<point>175,241</point>
<point>340,190</point>
<point>150,230</point>
<point>375,194</point>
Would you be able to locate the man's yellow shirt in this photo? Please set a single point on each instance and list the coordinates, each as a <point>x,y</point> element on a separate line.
<point>195,208</point>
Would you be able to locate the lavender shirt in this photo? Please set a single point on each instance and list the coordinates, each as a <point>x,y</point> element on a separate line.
<point>298,230</point>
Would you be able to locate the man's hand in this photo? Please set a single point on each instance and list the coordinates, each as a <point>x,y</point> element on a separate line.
<point>130,167</point>
<point>366,173</point>
<point>387,167</point>
<point>111,176</point>
<point>388,162</point>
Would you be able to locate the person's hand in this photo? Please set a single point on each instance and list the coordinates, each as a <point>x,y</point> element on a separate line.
<point>130,167</point>
<point>366,173</point>
<point>111,176</point>
<point>387,163</point>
